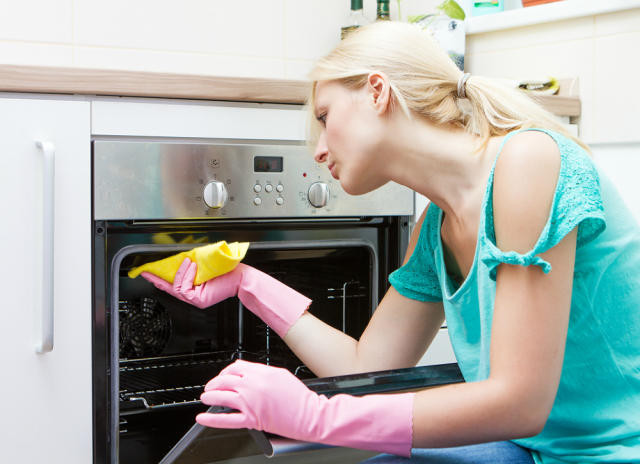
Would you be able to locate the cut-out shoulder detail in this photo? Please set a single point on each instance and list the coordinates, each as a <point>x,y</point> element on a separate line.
<point>524,183</point>
<point>576,203</point>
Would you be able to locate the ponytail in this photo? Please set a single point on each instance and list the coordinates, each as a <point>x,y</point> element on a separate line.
<point>497,109</point>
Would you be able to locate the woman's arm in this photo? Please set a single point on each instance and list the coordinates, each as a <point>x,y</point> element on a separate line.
<point>397,336</point>
<point>530,318</point>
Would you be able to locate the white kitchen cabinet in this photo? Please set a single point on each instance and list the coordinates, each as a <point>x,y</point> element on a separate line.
<point>46,397</point>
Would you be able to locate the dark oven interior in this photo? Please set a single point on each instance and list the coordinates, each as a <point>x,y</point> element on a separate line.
<point>153,354</point>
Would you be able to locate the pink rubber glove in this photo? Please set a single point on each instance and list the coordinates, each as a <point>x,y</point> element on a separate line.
<point>275,401</point>
<point>272,301</point>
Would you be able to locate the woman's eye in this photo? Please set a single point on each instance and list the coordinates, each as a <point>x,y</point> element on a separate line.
<point>323,119</point>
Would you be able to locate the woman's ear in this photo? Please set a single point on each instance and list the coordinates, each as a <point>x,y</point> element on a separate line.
<point>379,91</point>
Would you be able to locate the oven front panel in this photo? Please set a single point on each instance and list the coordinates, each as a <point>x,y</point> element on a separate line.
<point>173,180</point>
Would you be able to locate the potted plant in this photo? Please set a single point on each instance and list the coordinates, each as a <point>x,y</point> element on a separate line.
<point>447,28</point>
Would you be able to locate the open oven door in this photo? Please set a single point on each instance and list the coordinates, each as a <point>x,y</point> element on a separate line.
<point>199,444</point>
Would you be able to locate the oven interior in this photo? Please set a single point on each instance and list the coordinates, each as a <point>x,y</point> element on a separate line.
<point>167,350</point>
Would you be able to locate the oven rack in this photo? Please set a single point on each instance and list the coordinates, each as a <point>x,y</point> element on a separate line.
<point>334,289</point>
<point>155,383</point>
<point>169,362</point>
<point>160,398</point>
<point>349,289</point>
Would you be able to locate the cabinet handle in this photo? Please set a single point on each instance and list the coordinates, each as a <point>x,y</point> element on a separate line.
<point>44,342</point>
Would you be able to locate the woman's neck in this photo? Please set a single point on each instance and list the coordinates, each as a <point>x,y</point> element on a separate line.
<point>442,164</point>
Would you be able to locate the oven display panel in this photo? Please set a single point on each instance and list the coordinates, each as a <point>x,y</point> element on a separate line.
<point>267,164</point>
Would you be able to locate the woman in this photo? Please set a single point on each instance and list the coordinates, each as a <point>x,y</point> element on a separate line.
<point>525,247</point>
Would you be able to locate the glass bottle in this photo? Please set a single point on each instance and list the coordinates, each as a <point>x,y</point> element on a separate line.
<point>354,20</point>
<point>382,13</point>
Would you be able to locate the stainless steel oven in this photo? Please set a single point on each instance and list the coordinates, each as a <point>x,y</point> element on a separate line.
<point>152,354</point>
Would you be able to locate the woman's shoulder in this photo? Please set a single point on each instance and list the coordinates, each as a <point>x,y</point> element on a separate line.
<point>525,179</point>
<point>542,159</point>
<point>528,163</point>
<point>542,144</point>
<point>527,149</point>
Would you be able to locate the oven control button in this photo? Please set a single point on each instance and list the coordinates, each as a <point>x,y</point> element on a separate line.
<point>279,188</point>
<point>279,201</point>
<point>215,194</point>
<point>257,201</point>
<point>268,188</point>
<point>257,188</point>
<point>318,194</point>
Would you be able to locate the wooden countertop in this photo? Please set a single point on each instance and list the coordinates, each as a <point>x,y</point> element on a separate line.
<point>86,81</point>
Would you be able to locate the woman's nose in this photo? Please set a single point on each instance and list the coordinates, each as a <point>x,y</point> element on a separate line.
<point>320,156</point>
<point>321,152</point>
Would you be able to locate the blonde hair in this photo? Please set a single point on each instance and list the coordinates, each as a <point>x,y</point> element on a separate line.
<point>423,81</point>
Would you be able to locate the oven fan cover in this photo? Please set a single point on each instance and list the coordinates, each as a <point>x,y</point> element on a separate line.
<point>145,328</point>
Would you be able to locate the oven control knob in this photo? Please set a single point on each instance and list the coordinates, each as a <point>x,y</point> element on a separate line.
<point>215,194</point>
<point>318,194</point>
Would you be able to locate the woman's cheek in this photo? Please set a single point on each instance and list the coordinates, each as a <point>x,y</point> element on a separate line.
<point>335,139</point>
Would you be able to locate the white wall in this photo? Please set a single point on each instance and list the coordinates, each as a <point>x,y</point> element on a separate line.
<point>253,38</point>
<point>621,163</point>
<point>602,52</point>
<point>599,50</point>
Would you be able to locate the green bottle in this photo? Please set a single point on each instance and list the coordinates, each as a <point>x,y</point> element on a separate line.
<point>354,20</point>
<point>382,10</point>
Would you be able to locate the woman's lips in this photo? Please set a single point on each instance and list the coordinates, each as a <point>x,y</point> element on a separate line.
<point>333,171</point>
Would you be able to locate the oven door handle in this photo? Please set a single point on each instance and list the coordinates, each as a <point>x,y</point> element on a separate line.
<point>44,341</point>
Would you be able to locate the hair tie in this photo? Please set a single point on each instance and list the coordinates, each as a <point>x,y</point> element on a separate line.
<point>461,85</point>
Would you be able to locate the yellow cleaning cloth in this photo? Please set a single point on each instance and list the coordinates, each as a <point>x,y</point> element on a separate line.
<point>163,238</point>
<point>212,260</point>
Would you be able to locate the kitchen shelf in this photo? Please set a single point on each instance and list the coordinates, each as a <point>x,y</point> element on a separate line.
<point>549,12</point>
<point>560,105</point>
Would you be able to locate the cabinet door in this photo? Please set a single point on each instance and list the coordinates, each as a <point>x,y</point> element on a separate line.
<point>46,396</point>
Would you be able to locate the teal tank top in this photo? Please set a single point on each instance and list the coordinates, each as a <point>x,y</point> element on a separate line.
<point>596,413</point>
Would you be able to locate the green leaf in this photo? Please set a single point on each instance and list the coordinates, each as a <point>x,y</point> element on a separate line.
<point>416,18</point>
<point>452,9</point>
